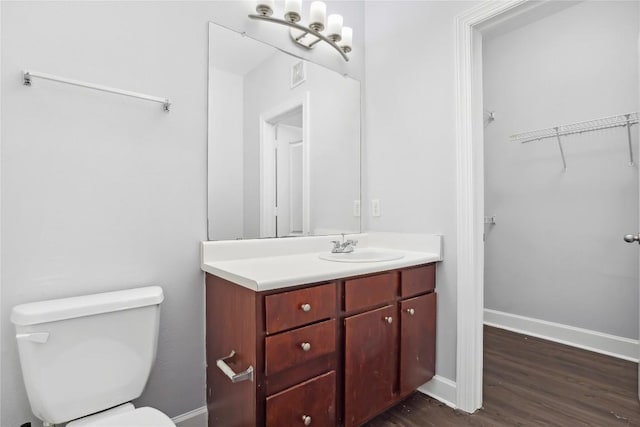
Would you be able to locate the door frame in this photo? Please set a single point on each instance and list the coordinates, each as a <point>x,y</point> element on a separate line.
<point>470,194</point>
<point>267,186</point>
<point>470,191</point>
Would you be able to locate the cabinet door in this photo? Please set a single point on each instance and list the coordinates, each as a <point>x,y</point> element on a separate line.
<point>370,346</point>
<point>417,341</point>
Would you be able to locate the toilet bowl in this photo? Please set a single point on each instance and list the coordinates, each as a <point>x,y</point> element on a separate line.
<point>85,358</point>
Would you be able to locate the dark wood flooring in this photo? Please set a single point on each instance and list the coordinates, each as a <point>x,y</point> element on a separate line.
<point>533,382</point>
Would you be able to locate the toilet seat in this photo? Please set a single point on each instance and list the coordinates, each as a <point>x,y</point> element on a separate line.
<point>140,417</point>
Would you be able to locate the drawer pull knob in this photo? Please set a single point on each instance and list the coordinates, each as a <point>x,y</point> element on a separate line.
<point>388,319</point>
<point>306,419</point>
<point>411,311</point>
<point>305,346</point>
<point>305,307</point>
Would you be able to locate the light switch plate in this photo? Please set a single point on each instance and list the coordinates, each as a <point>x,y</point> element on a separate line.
<point>356,208</point>
<point>375,207</point>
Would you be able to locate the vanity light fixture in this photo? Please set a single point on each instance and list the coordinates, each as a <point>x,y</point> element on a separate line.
<point>310,34</point>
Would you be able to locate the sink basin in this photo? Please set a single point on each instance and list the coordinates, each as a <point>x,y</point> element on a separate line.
<point>364,255</point>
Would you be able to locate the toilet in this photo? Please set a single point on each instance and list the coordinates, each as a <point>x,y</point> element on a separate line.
<point>85,358</point>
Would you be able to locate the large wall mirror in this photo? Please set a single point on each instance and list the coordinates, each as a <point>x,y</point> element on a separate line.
<point>284,143</point>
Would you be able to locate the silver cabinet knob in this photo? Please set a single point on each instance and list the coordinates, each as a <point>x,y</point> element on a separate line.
<point>630,238</point>
<point>306,419</point>
<point>411,311</point>
<point>305,346</point>
<point>388,319</point>
<point>305,307</point>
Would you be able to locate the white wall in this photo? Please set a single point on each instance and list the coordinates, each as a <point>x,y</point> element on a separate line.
<point>557,252</point>
<point>335,153</point>
<point>410,136</point>
<point>93,185</point>
<point>101,192</point>
<point>225,154</point>
<point>334,140</point>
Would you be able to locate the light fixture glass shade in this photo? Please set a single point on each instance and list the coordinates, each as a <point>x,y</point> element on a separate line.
<point>334,27</point>
<point>292,10</point>
<point>317,16</point>
<point>309,35</point>
<point>347,39</point>
<point>265,7</point>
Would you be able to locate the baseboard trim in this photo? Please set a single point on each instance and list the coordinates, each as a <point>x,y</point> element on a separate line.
<point>181,420</point>
<point>441,389</point>
<point>611,345</point>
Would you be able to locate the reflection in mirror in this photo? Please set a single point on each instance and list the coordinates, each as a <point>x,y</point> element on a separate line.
<point>284,143</point>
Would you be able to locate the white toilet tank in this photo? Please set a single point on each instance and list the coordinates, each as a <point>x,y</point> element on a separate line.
<point>85,354</point>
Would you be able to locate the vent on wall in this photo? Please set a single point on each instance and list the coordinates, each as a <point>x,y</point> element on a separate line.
<point>298,74</point>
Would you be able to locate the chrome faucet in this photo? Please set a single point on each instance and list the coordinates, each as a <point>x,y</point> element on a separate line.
<point>344,247</point>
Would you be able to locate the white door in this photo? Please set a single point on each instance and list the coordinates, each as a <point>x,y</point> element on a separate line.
<point>284,170</point>
<point>635,238</point>
<point>289,181</point>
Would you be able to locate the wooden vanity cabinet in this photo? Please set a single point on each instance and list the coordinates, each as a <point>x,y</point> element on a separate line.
<point>328,354</point>
<point>389,351</point>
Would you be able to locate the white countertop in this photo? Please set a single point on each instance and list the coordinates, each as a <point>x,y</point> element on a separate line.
<point>266,264</point>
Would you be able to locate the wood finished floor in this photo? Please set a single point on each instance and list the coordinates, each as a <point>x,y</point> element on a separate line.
<point>533,382</point>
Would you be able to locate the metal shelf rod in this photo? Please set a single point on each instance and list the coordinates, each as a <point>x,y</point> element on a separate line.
<point>29,75</point>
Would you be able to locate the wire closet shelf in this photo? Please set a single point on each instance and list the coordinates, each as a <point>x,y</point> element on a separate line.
<point>621,120</point>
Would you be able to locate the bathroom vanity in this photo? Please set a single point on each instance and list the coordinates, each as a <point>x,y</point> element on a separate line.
<point>333,352</point>
<point>296,335</point>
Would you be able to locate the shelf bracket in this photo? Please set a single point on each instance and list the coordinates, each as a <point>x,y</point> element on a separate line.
<point>490,220</point>
<point>564,162</point>
<point>628,126</point>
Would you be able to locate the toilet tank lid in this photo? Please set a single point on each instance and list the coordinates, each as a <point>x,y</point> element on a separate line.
<point>86,305</point>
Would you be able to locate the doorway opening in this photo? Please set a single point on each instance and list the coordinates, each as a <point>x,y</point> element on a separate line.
<point>471,120</point>
<point>284,170</point>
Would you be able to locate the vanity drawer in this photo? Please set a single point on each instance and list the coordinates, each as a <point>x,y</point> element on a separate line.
<point>417,280</point>
<point>287,310</point>
<point>298,346</point>
<point>370,291</point>
<point>315,399</point>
